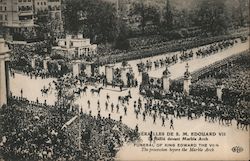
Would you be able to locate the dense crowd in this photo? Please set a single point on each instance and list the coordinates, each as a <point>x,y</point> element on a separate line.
<point>234,77</point>
<point>177,105</point>
<point>232,74</point>
<point>159,48</point>
<point>33,131</point>
<point>158,40</point>
<point>186,55</point>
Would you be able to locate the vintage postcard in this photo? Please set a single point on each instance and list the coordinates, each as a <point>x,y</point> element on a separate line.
<point>124,80</point>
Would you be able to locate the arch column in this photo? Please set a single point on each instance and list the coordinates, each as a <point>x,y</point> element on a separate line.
<point>4,74</point>
<point>76,67</point>
<point>33,62</point>
<point>124,76</point>
<point>124,71</point>
<point>109,72</point>
<point>88,70</point>
<point>187,81</point>
<point>166,80</point>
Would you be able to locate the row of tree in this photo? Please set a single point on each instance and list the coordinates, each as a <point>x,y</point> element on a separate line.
<point>100,21</point>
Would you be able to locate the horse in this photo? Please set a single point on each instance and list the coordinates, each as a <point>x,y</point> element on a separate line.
<point>80,90</point>
<point>226,118</point>
<point>243,123</point>
<point>124,99</point>
<point>84,90</point>
<point>210,115</point>
<point>44,91</point>
<point>96,90</point>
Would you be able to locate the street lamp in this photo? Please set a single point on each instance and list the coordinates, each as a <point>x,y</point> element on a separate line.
<point>80,131</point>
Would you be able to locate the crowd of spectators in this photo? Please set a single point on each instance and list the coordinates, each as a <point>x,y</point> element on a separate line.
<point>33,131</point>
<point>177,105</point>
<point>234,77</point>
<point>161,47</point>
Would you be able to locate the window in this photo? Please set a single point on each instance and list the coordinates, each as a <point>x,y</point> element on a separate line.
<point>1,17</point>
<point>24,0</point>
<point>1,8</point>
<point>5,8</point>
<point>6,18</point>
<point>44,3</point>
<point>29,0</point>
<point>19,0</point>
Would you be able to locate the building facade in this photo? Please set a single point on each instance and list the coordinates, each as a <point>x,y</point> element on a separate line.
<point>52,7</point>
<point>16,13</point>
<point>75,47</point>
<point>22,14</point>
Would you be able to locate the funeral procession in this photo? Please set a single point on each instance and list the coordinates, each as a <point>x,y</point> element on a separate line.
<point>106,80</point>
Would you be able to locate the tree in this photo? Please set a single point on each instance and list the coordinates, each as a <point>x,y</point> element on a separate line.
<point>98,23</point>
<point>212,17</point>
<point>146,13</point>
<point>240,12</point>
<point>168,16</point>
<point>121,42</point>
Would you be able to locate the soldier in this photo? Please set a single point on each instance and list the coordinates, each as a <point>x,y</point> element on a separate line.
<point>98,104</point>
<point>136,128</point>
<point>106,104</point>
<point>22,93</point>
<point>99,114</point>
<point>108,97</point>
<point>171,124</point>
<point>136,112</point>
<point>125,110</point>
<point>144,116</point>
<point>117,108</point>
<point>163,121</point>
<point>112,107</point>
<point>88,104</point>
<point>154,117</point>
<point>134,104</point>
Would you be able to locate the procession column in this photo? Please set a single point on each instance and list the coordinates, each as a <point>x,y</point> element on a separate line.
<point>4,76</point>
<point>109,72</point>
<point>76,67</point>
<point>187,81</point>
<point>166,80</point>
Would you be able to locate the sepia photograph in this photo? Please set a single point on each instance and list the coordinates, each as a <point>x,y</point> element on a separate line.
<point>124,80</point>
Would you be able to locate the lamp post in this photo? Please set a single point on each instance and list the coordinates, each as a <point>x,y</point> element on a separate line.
<point>80,131</point>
